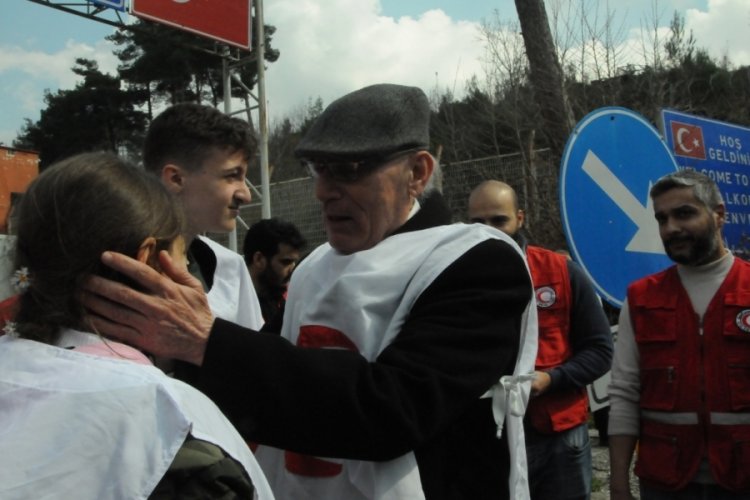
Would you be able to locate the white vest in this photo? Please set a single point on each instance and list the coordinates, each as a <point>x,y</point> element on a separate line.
<point>74,425</point>
<point>232,296</point>
<point>368,295</point>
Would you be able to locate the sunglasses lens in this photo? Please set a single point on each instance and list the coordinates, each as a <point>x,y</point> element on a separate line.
<point>345,171</point>
<point>350,171</point>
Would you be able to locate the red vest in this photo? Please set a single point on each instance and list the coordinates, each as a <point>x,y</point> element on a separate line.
<point>560,410</point>
<point>695,380</point>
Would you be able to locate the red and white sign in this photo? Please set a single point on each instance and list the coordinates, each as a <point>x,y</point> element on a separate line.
<point>227,21</point>
<point>688,140</point>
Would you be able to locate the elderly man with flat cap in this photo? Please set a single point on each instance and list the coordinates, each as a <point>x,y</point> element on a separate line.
<point>405,342</point>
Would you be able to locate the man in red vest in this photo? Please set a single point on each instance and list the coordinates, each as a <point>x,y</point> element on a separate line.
<point>681,374</point>
<point>575,348</point>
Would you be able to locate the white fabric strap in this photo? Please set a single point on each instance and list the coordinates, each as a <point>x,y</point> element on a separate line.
<point>510,397</point>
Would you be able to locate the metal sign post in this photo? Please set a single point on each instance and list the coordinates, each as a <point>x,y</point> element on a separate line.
<point>262,113</point>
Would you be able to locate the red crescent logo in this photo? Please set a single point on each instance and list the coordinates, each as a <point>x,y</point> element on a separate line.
<point>743,320</point>
<point>545,296</point>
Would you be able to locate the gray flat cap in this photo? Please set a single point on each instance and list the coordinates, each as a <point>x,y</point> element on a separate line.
<point>371,122</point>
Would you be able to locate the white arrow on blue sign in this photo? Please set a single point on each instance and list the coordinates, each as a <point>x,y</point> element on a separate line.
<point>610,162</point>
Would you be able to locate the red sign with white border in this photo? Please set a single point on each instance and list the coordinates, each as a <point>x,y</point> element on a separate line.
<point>227,21</point>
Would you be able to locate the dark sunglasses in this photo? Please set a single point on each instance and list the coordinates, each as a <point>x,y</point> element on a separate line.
<point>351,171</point>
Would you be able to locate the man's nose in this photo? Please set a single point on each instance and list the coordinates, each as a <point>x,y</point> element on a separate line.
<point>326,188</point>
<point>243,194</point>
<point>671,226</point>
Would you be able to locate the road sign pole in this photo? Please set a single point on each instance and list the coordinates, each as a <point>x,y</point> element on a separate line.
<point>262,112</point>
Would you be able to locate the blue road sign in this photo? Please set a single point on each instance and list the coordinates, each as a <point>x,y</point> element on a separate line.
<point>112,4</point>
<point>610,162</point>
<point>721,151</point>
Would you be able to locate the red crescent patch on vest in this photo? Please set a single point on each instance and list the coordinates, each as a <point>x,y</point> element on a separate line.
<point>545,296</point>
<point>320,337</point>
<point>743,320</point>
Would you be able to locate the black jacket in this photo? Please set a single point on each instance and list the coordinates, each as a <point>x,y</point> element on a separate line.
<point>422,393</point>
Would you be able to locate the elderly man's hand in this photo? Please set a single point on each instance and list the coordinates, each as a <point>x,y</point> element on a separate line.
<point>172,319</point>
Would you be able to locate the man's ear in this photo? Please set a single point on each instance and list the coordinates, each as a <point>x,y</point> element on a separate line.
<point>173,177</point>
<point>259,261</point>
<point>521,216</point>
<point>147,252</point>
<point>421,171</point>
<point>720,213</point>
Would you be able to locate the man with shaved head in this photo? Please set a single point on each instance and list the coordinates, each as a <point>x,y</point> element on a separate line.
<point>575,348</point>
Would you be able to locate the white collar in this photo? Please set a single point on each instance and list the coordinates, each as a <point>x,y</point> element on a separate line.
<point>414,209</point>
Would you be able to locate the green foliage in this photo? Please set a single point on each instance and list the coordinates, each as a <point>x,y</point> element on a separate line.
<point>282,140</point>
<point>173,65</point>
<point>484,123</point>
<point>680,47</point>
<point>96,115</point>
<point>506,118</point>
<point>159,65</point>
<point>158,55</point>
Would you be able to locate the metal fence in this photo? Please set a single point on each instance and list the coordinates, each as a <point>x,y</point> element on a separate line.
<point>534,182</point>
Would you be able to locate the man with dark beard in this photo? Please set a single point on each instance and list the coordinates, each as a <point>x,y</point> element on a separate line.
<point>272,250</point>
<point>575,348</point>
<point>680,379</point>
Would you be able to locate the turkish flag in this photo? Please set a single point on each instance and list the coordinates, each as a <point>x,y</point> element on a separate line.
<point>688,140</point>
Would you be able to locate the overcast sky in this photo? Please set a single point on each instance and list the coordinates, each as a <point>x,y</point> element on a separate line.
<point>330,47</point>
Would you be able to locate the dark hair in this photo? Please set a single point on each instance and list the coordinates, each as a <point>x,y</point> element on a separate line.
<point>704,189</point>
<point>189,134</point>
<point>266,235</point>
<point>73,212</point>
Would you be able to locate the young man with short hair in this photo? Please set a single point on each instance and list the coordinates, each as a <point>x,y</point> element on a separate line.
<point>201,155</point>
